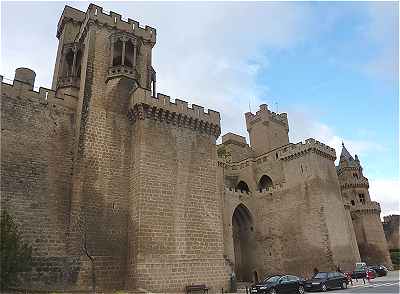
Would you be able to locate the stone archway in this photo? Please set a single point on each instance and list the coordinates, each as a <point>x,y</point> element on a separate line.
<point>243,234</point>
<point>265,182</point>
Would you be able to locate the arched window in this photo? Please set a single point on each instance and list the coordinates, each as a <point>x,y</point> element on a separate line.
<point>67,67</point>
<point>129,53</point>
<point>117,57</point>
<point>264,183</point>
<point>78,63</point>
<point>243,187</point>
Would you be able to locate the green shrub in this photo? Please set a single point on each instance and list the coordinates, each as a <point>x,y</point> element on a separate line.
<point>16,256</point>
<point>395,256</point>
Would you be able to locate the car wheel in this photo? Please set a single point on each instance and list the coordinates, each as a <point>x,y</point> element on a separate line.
<point>272,291</point>
<point>344,285</point>
<point>301,289</point>
<point>324,288</point>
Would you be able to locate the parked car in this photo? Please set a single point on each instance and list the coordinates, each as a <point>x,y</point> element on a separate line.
<point>361,273</point>
<point>380,270</point>
<point>279,284</point>
<point>326,280</point>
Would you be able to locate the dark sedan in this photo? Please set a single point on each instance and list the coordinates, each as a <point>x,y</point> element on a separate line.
<point>380,270</point>
<point>326,280</point>
<point>279,284</point>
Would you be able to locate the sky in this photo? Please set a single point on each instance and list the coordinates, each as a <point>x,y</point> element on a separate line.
<point>332,66</point>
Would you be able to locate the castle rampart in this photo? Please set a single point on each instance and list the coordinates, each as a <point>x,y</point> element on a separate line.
<point>44,95</point>
<point>142,104</point>
<point>355,183</point>
<point>310,145</point>
<point>112,21</point>
<point>234,139</point>
<point>265,113</point>
<point>367,208</point>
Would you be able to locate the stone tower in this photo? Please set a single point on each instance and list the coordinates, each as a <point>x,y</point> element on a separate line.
<point>267,130</point>
<point>365,213</point>
<point>144,194</point>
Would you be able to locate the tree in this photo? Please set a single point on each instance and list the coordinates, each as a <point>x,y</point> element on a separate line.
<point>223,153</point>
<point>15,254</point>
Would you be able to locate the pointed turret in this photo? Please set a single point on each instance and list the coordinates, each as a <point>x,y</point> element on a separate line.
<point>345,155</point>
<point>365,213</point>
<point>346,159</point>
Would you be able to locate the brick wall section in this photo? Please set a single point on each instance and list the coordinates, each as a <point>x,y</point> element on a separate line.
<point>179,235</point>
<point>102,172</point>
<point>302,213</point>
<point>391,228</point>
<point>36,167</point>
<point>371,238</point>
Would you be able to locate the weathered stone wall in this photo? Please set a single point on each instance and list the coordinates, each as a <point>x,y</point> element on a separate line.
<point>365,213</point>
<point>101,179</point>
<point>37,137</point>
<point>371,238</point>
<point>302,212</point>
<point>391,227</point>
<point>177,212</point>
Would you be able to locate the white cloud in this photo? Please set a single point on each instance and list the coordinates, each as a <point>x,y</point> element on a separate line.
<point>213,59</point>
<point>304,124</point>
<point>209,53</point>
<point>387,193</point>
<point>383,29</point>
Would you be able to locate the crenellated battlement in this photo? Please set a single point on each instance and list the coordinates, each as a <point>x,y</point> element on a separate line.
<point>144,105</point>
<point>113,20</point>
<point>355,183</point>
<point>265,114</point>
<point>310,145</point>
<point>367,208</point>
<point>231,138</point>
<point>393,218</point>
<point>44,95</point>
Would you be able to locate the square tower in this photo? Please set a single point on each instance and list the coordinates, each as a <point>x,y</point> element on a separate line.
<point>268,130</point>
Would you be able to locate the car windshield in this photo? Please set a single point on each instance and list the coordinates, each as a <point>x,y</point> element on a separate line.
<point>320,276</point>
<point>272,279</point>
<point>360,266</point>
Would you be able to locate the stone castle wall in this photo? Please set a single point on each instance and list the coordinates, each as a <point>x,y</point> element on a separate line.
<point>177,215</point>
<point>303,211</point>
<point>37,138</point>
<point>391,227</point>
<point>370,236</point>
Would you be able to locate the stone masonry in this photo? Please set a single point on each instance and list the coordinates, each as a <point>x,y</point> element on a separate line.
<point>391,227</point>
<point>105,176</point>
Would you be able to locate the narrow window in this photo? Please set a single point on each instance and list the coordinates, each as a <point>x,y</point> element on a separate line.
<point>352,202</point>
<point>117,58</point>
<point>361,198</point>
<point>129,54</point>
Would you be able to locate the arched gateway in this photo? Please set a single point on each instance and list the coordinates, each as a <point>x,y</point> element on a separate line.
<point>244,243</point>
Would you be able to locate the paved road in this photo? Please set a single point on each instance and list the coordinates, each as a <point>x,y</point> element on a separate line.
<point>388,284</point>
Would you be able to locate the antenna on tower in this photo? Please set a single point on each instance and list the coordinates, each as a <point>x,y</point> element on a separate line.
<point>249,106</point>
<point>276,107</point>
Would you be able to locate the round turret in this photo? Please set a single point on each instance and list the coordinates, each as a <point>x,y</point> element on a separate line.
<point>25,75</point>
